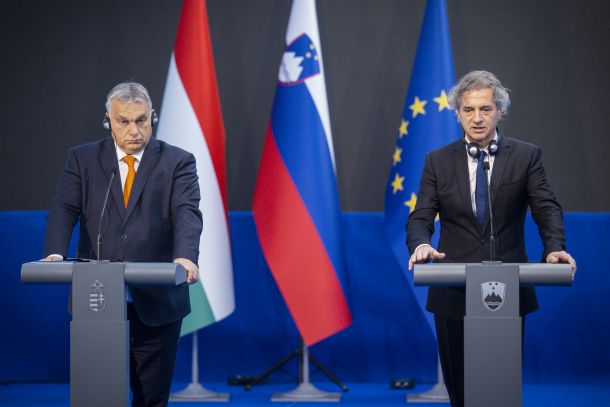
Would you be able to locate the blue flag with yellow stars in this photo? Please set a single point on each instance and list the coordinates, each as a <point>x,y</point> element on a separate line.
<point>427,124</point>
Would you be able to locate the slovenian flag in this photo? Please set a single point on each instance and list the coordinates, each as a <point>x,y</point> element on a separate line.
<point>191,119</point>
<point>296,208</point>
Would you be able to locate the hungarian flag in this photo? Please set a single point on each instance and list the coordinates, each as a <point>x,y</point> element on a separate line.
<point>191,119</point>
<point>296,208</point>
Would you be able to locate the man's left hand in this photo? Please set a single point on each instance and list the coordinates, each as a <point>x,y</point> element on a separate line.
<point>192,271</point>
<point>561,257</point>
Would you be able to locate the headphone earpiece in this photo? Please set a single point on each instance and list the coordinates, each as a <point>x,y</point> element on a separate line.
<point>154,119</point>
<point>474,150</point>
<point>493,147</point>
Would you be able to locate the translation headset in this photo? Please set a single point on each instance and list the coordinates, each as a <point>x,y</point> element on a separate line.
<point>154,119</point>
<point>474,150</point>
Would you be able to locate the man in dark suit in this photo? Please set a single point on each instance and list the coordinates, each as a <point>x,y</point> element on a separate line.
<point>151,215</point>
<point>453,186</point>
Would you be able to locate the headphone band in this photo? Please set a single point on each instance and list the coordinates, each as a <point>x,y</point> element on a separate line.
<point>154,119</point>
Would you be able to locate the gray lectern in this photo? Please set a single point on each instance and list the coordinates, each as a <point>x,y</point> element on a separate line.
<point>99,330</point>
<point>492,325</point>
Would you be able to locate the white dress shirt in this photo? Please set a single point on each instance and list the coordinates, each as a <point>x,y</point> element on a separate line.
<point>123,168</point>
<point>472,172</point>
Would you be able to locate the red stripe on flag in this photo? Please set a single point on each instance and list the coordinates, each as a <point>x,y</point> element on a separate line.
<point>297,257</point>
<point>195,64</point>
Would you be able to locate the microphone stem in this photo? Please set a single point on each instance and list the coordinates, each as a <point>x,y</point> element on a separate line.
<point>492,232</point>
<point>99,230</point>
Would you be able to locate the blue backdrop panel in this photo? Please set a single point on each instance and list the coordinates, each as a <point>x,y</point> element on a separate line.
<point>382,342</point>
<point>566,340</point>
<point>569,337</point>
<point>34,322</point>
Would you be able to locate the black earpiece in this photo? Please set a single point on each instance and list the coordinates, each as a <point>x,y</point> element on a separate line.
<point>154,119</point>
<point>474,150</point>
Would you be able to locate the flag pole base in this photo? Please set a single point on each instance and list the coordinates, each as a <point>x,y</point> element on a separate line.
<point>306,392</point>
<point>298,352</point>
<point>437,394</point>
<point>195,392</point>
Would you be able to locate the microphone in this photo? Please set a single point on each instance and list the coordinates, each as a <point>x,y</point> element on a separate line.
<point>99,229</point>
<point>492,232</point>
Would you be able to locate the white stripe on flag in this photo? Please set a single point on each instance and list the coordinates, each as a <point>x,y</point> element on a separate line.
<point>178,125</point>
<point>303,19</point>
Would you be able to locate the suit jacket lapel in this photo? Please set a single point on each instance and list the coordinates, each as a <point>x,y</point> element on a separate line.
<point>108,161</point>
<point>149,161</point>
<point>463,178</point>
<point>500,161</point>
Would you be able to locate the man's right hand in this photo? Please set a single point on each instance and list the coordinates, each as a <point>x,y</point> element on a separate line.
<point>53,257</point>
<point>424,253</point>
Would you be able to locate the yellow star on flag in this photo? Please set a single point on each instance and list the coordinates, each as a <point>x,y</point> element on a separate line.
<point>397,183</point>
<point>418,106</point>
<point>397,154</point>
<point>403,129</point>
<point>411,202</point>
<point>443,102</point>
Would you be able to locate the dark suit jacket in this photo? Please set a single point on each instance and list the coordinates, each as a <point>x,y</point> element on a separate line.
<point>518,180</point>
<point>162,221</point>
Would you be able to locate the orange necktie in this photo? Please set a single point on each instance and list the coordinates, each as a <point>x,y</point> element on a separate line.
<point>131,175</point>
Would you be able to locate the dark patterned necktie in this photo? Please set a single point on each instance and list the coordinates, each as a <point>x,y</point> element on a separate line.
<point>481,189</point>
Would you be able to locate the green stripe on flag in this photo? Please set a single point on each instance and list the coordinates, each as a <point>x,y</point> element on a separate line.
<point>201,313</point>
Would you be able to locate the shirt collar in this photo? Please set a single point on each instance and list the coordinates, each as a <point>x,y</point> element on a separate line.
<point>468,141</point>
<point>120,153</point>
<point>486,148</point>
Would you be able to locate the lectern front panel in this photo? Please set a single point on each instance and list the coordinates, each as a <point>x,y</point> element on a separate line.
<point>492,290</point>
<point>98,292</point>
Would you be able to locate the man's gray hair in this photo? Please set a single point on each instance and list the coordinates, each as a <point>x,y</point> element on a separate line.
<point>477,80</point>
<point>128,92</point>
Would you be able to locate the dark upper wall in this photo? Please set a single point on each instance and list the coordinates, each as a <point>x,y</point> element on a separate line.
<point>58,60</point>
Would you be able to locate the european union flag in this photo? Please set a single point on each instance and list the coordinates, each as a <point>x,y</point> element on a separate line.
<point>427,124</point>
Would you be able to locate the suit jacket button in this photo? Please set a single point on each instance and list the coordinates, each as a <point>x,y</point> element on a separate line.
<point>124,237</point>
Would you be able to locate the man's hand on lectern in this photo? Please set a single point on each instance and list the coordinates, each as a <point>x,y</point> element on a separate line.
<point>424,253</point>
<point>192,271</point>
<point>561,257</point>
<point>53,257</point>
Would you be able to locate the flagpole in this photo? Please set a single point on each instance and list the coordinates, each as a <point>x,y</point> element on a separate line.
<point>437,394</point>
<point>195,392</point>
<point>305,390</point>
<point>427,124</point>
